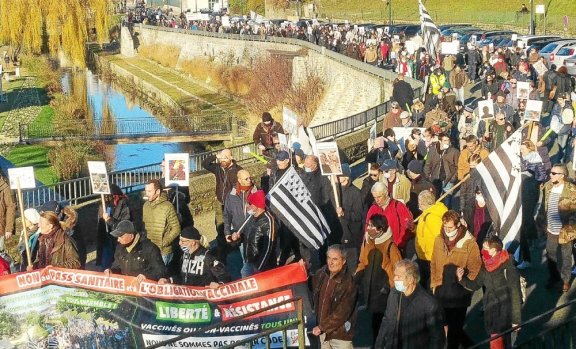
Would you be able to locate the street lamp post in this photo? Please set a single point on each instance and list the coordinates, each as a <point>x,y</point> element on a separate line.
<point>389,12</point>
<point>532,29</point>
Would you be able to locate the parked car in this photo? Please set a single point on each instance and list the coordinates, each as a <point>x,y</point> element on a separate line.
<point>570,64</point>
<point>550,50</point>
<point>562,54</point>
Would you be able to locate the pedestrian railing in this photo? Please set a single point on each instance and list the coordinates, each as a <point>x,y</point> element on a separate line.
<point>560,336</point>
<point>298,323</point>
<point>78,190</point>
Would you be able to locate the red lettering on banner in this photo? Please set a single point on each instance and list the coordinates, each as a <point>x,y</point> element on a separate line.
<point>233,310</point>
<point>29,279</point>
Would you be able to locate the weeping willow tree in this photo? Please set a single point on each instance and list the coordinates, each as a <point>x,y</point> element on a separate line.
<point>53,26</point>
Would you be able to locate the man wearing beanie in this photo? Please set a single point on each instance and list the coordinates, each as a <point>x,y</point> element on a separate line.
<point>198,266</point>
<point>258,237</point>
<point>264,133</point>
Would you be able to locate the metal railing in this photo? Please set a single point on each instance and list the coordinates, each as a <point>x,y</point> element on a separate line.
<point>179,125</point>
<point>560,336</point>
<point>299,322</point>
<point>77,190</point>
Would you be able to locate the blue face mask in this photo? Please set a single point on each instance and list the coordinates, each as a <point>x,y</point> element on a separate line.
<point>399,286</point>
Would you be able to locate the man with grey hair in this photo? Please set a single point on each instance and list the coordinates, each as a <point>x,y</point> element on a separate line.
<point>413,319</point>
<point>334,297</point>
<point>398,216</point>
<point>428,229</point>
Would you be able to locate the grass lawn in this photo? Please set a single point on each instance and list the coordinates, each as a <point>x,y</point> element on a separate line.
<point>495,13</point>
<point>43,119</point>
<point>37,156</point>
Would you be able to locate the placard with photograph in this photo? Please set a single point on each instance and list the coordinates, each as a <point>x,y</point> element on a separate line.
<point>289,121</point>
<point>99,177</point>
<point>177,169</point>
<point>329,158</point>
<point>486,109</point>
<point>23,174</point>
<point>533,110</point>
<point>522,89</point>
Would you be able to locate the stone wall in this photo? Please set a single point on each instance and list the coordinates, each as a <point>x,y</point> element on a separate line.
<point>348,90</point>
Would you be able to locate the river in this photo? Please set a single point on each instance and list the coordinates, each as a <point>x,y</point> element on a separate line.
<point>101,95</point>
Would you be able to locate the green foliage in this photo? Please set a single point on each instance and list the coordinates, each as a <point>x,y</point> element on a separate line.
<point>34,318</point>
<point>8,324</point>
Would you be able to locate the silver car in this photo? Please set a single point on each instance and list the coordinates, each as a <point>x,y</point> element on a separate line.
<point>570,64</point>
<point>550,50</point>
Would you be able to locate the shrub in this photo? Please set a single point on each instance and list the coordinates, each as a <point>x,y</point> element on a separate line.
<point>166,55</point>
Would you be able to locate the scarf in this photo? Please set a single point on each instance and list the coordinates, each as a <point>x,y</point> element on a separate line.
<point>45,248</point>
<point>243,188</point>
<point>479,218</point>
<point>116,199</point>
<point>493,263</point>
<point>380,239</point>
<point>450,244</point>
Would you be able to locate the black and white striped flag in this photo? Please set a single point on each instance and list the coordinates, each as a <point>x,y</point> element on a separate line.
<point>501,187</point>
<point>292,204</point>
<point>430,32</point>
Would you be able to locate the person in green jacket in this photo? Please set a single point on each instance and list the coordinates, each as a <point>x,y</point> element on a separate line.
<point>160,220</point>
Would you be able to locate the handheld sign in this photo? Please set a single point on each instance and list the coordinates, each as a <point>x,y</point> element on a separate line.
<point>21,177</point>
<point>533,110</point>
<point>486,109</point>
<point>177,169</point>
<point>329,158</point>
<point>523,89</point>
<point>98,177</point>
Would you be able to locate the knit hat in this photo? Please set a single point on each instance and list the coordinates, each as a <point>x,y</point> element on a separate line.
<point>282,155</point>
<point>415,167</point>
<point>257,199</point>
<point>32,215</point>
<point>468,109</point>
<point>124,227</point>
<point>299,152</point>
<point>266,116</point>
<point>190,233</point>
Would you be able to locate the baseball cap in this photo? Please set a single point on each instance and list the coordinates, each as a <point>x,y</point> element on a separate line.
<point>282,155</point>
<point>124,227</point>
<point>388,164</point>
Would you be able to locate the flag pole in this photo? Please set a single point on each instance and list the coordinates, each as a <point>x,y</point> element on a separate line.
<point>448,192</point>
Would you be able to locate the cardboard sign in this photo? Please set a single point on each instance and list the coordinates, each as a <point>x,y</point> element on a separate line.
<point>486,109</point>
<point>522,89</point>
<point>99,177</point>
<point>177,169</point>
<point>533,110</point>
<point>25,175</point>
<point>289,120</point>
<point>329,158</point>
<point>450,48</point>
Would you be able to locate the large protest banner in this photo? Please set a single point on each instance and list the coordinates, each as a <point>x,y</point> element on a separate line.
<point>82,309</point>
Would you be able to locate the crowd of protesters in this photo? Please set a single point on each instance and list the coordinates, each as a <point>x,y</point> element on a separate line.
<point>404,245</point>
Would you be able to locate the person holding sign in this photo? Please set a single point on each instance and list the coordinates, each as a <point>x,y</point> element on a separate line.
<point>55,247</point>
<point>117,209</point>
<point>7,210</point>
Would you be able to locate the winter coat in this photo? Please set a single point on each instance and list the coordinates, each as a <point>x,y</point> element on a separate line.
<point>7,207</point>
<point>351,223</point>
<point>392,120</point>
<point>200,268</point>
<point>375,272</point>
<point>399,219</point>
<point>463,166</point>
<point>400,188</point>
<point>141,257</point>
<point>263,134</point>
<point>428,228</point>
<point>339,306</point>
<point>568,197</point>
<point>259,238</point>
<point>416,321</point>
<point>235,210</point>
<point>564,84</point>
<point>447,158</point>
<point>505,109</point>
<point>226,178</point>
<point>318,185</point>
<point>502,298</point>
<point>417,186</point>
<point>64,254</point>
<point>403,94</point>
<point>161,223</point>
<point>443,265</point>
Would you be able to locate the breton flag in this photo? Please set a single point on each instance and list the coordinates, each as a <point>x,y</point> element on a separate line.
<point>430,32</point>
<point>291,202</point>
<point>501,187</point>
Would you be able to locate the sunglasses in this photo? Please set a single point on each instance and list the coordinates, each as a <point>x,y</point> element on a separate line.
<point>556,173</point>
<point>373,174</point>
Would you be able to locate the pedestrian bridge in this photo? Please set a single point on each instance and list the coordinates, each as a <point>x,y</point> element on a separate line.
<point>143,130</point>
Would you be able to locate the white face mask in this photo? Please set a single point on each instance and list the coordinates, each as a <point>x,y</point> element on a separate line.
<point>251,212</point>
<point>445,146</point>
<point>451,234</point>
<point>307,169</point>
<point>386,174</point>
<point>480,200</point>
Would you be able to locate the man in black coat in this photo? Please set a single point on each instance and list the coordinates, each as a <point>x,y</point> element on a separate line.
<point>135,255</point>
<point>198,267</point>
<point>413,319</point>
<point>403,93</point>
<point>374,174</point>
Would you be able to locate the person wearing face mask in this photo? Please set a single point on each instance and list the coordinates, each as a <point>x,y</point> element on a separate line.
<point>563,117</point>
<point>558,193</point>
<point>454,248</point>
<point>198,267</point>
<point>265,132</point>
<point>135,255</point>
<point>438,117</point>
<point>398,185</point>
<point>472,202</point>
<point>413,317</point>
<point>441,165</point>
<point>258,236</point>
<point>472,146</point>
<point>375,271</point>
<point>502,296</point>
<point>467,125</point>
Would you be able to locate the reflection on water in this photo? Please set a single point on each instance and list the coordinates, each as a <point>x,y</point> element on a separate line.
<point>108,102</point>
